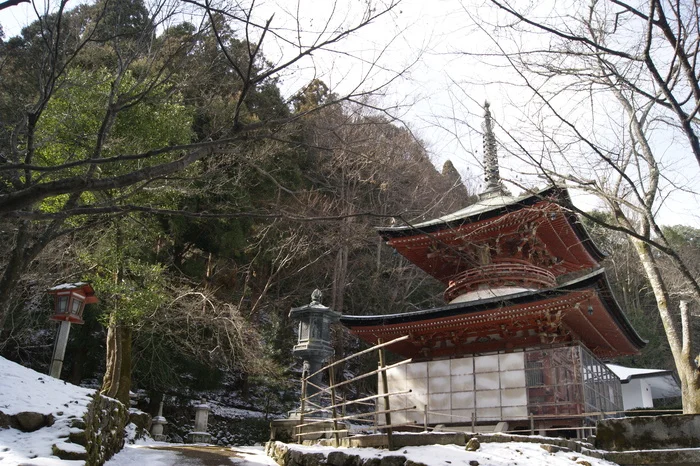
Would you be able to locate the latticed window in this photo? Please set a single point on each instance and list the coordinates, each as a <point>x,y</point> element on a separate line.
<point>534,374</point>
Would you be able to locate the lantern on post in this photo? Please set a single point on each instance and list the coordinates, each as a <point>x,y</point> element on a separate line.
<point>69,302</point>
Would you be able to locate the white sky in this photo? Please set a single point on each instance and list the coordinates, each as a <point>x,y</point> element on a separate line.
<point>441,91</point>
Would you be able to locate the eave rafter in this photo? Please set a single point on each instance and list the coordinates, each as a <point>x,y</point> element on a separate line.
<point>573,316</point>
<point>540,234</point>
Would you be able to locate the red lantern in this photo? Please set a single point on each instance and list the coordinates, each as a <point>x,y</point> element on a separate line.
<point>70,300</point>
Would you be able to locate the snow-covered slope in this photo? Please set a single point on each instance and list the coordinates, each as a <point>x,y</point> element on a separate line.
<point>23,389</point>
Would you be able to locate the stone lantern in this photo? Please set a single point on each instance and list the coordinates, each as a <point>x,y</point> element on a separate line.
<point>201,419</point>
<point>314,343</point>
<point>69,302</point>
<point>314,347</point>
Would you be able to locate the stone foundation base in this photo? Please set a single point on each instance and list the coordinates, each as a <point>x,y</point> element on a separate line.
<point>648,432</point>
<point>198,437</point>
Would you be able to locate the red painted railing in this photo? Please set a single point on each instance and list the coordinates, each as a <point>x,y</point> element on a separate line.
<point>500,274</point>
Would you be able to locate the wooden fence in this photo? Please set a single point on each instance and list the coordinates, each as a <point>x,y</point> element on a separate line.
<point>323,411</point>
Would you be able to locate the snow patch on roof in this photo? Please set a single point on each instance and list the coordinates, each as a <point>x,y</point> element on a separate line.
<point>625,373</point>
<point>68,286</point>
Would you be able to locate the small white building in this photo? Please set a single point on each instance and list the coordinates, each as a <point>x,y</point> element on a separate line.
<point>640,387</point>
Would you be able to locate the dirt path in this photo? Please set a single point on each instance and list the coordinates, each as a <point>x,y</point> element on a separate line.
<point>191,455</point>
<point>208,456</point>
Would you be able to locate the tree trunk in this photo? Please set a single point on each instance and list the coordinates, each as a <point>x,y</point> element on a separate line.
<point>690,389</point>
<point>679,341</point>
<point>110,381</point>
<point>16,265</point>
<point>27,246</point>
<point>117,379</point>
<point>339,278</point>
<point>77,363</point>
<point>124,335</point>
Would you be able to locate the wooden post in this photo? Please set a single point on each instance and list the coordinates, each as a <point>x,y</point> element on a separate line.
<point>376,415</point>
<point>474,422</point>
<point>331,380</point>
<point>387,408</point>
<point>425,417</point>
<point>304,375</point>
<point>532,424</point>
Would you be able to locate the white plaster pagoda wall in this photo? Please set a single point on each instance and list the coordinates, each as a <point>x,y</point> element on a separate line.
<point>493,386</point>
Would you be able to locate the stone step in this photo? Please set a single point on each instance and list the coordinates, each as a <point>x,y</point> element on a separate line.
<point>78,423</point>
<point>69,451</point>
<point>78,436</point>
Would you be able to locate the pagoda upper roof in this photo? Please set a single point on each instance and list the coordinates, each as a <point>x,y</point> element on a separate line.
<point>581,310</point>
<point>541,215</point>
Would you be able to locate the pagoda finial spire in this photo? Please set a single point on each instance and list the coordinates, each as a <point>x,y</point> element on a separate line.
<point>494,187</point>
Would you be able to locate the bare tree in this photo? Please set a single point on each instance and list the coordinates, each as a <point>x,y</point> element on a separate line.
<point>606,83</point>
<point>143,62</point>
<point>121,106</point>
<point>11,3</point>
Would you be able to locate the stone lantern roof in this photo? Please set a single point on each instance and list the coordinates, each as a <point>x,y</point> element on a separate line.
<point>315,320</point>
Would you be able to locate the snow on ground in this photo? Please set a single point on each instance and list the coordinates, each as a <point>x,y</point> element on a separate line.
<point>23,389</point>
<point>490,454</point>
<point>27,390</point>
<point>254,455</point>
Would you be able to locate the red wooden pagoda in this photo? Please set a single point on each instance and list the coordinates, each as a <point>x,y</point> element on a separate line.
<point>521,276</point>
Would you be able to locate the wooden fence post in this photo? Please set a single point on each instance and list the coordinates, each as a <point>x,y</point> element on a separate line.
<point>331,380</point>
<point>376,415</point>
<point>387,407</point>
<point>304,375</point>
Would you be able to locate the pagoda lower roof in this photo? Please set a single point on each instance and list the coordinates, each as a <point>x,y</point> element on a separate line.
<point>583,310</point>
<point>442,246</point>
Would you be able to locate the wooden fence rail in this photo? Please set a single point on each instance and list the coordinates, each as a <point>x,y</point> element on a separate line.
<point>336,403</point>
<point>324,407</point>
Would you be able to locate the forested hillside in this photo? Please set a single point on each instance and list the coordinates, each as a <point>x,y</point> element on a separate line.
<point>160,162</point>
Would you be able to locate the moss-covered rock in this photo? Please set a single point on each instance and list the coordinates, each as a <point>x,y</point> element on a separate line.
<point>104,429</point>
<point>70,451</point>
<point>141,423</point>
<point>473,444</point>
